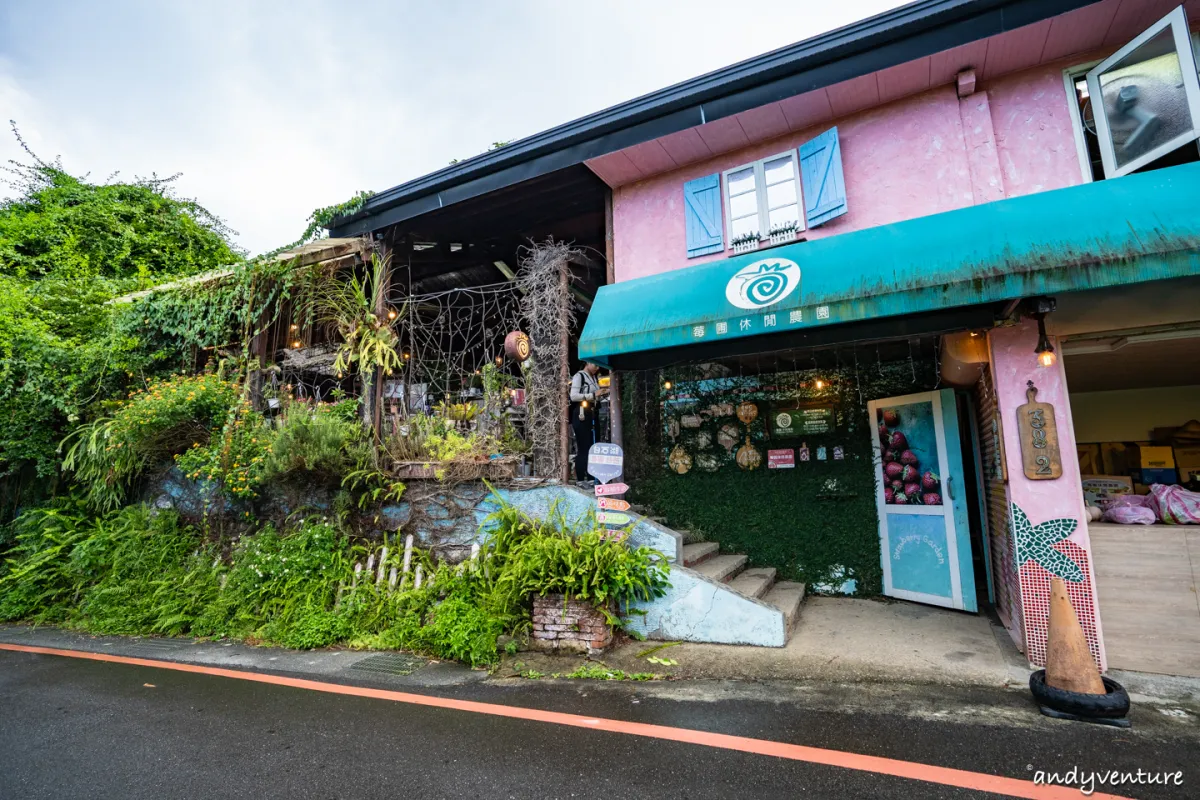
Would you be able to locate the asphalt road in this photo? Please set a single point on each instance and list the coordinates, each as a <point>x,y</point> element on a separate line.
<point>84,729</point>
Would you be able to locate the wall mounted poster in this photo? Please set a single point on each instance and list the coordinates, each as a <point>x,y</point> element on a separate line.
<point>801,421</point>
<point>781,459</point>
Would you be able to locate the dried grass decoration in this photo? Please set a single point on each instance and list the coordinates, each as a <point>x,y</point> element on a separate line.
<point>727,436</point>
<point>748,458</point>
<point>747,412</point>
<point>708,462</point>
<point>679,460</point>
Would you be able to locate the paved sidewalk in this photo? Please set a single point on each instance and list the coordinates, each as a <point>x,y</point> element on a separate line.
<point>837,641</point>
<point>392,669</point>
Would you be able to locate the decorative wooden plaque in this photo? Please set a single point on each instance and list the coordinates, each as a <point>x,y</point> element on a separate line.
<point>1039,438</point>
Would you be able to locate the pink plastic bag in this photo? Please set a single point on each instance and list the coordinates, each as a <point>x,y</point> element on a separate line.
<point>1128,509</point>
<point>1174,505</point>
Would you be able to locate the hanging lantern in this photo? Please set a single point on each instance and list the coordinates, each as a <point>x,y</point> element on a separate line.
<point>747,412</point>
<point>748,458</point>
<point>516,346</point>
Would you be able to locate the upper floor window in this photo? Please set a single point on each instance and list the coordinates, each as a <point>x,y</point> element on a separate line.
<point>763,199</point>
<point>1139,109</point>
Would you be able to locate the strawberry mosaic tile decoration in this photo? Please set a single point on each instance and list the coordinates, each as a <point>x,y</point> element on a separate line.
<point>1043,552</point>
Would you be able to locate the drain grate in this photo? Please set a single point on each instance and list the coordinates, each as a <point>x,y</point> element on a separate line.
<point>390,664</point>
<point>146,646</point>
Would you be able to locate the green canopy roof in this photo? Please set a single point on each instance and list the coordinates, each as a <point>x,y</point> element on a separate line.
<point>1126,230</point>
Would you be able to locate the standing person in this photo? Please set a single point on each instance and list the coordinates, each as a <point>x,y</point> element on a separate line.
<point>585,392</point>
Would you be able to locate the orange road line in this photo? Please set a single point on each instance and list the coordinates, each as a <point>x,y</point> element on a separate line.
<point>947,776</point>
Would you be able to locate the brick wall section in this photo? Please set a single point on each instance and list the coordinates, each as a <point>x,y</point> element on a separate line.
<point>573,626</point>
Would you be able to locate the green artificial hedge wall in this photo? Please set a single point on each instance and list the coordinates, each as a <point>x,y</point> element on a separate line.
<point>814,523</point>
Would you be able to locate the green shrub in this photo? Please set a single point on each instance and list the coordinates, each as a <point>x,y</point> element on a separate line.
<point>314,439</point>
<point>583,560</point>
<point>126,572</point>
<point>134,571</point>
<point>168,417</point>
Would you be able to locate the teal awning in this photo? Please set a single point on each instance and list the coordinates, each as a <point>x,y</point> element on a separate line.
<point>1127,230</point>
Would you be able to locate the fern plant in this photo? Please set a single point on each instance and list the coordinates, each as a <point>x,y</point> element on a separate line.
<point>347,304</point>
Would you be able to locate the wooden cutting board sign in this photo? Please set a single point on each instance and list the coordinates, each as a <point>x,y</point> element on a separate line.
<point>1039,438</point>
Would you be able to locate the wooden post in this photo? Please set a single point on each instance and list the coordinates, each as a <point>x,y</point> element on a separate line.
<point>615,412</point>
<point>564,379</point>
<point>384,250</point>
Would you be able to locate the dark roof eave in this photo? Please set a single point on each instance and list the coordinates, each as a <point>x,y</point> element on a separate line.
<point>894,37</point>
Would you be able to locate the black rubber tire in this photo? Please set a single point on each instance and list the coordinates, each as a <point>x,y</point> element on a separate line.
<point>1114,703</point>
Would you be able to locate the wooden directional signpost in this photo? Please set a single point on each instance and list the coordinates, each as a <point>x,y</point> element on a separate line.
<point>606,462</point>
<point>612,504</point>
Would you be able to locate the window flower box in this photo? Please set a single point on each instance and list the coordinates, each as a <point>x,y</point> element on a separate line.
<point>783,234</point>
<point>744,244</point>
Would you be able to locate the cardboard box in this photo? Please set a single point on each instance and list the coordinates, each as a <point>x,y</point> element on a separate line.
<point>1167,477</point>
<point>1187,460</point>
<point>1090,462</point>
<point>1104,487</point>
<point>1151,457</point>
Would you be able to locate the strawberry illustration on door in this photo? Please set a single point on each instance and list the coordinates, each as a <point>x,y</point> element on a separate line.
<point>920,494</point>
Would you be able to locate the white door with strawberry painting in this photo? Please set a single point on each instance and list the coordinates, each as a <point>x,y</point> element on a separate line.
<point>924,535</point>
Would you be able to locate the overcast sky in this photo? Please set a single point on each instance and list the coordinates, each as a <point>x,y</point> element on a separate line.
<point>271,109</point>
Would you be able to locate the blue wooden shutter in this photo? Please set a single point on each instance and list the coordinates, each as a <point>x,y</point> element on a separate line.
<point>702,210</point>
<point>821,175</point>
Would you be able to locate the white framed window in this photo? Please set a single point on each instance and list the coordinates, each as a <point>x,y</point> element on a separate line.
<point>763,197</point>
<point>1140,107</point>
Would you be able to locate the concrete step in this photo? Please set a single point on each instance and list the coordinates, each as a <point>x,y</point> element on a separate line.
<point>754,582</point>
<point>722,568</point>
<point>693,554</point>
<point>786,596</point>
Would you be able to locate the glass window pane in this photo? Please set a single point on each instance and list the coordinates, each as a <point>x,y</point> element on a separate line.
<point>743,226</point>
<point>784,215</point>
<point>743,205</point>
<point>779,170</point>
<point>741,181</point>
<point>1144,99</point>
<point>781,194</point>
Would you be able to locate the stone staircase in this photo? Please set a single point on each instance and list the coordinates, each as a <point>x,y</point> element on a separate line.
<point>710,597</point>
<point>757,583</point>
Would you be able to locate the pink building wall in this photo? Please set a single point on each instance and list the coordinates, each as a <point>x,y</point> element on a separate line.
<point>922,155</point>
<point>1014,364</point>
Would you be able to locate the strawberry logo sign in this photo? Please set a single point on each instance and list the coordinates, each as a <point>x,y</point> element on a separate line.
<point>763,283</point>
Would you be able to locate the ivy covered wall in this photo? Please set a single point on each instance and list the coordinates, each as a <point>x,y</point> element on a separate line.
<point>815,522</point>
